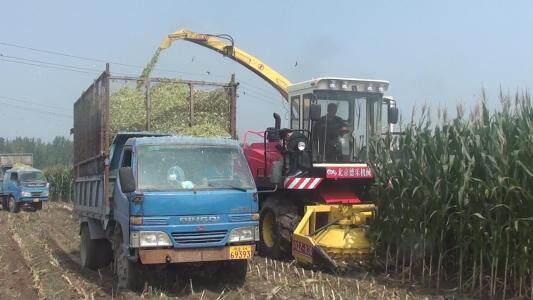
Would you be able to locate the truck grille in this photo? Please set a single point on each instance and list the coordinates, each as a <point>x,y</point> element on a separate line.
<point>36,194</point>
<point>198,237</point>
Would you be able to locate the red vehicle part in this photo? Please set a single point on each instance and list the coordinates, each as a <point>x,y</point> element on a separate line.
<point>260,155</point>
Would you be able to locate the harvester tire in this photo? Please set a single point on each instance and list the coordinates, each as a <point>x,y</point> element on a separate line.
<point>276,225</point>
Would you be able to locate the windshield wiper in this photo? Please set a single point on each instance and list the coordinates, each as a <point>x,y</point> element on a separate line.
<point>218,185</point>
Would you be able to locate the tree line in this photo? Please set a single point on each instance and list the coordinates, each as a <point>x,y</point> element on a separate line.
<point>45,154</point>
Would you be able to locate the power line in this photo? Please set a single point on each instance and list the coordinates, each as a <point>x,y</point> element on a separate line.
<point>127,65</point>
<point>258,96</point>
<point>34,103</point>
<point>259,93</point>
<point>50,63</point>
<point>97,60</point>
<point>262,91</point>
<point>48,66</point>
<point>61,54</point>
<point>33,109</point>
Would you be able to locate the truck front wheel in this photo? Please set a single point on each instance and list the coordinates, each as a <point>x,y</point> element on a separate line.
<point>234,271</point>
<point>38,205</point>
<point>13,205</point>
<point>4,203</point>
<point>126,274</point>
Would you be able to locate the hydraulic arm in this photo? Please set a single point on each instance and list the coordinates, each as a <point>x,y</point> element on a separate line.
<point>224,45</point>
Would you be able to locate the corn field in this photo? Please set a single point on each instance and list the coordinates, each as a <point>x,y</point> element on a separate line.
<point>456,207</point>
<point>61,182</point>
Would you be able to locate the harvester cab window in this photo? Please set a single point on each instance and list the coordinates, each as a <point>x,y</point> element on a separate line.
<point>308,99</point>
<point>295,112</point>
<point>331,137</point>
<point>383,121</point>
<point>360,126</point>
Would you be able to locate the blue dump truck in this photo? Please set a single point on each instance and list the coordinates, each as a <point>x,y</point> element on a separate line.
<point>146,200</point>
<point>23,186</point>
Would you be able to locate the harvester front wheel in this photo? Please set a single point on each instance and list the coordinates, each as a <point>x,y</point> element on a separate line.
<point>276,224</point>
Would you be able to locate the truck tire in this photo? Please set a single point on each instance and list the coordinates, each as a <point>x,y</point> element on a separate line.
<point>13,205</point>
<point>126,274</point>
<point>5,206</point>
<point>277,222</point>
<point>94,253</point>
<point>38,205</point>
<point>234,271</point>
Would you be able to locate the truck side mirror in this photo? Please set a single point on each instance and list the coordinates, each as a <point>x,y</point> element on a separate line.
<point>127,181</point>
<point>315,112</point>
<point>393,115</point>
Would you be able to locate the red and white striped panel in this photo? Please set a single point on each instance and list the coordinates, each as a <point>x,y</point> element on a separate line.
<point>302,183</point>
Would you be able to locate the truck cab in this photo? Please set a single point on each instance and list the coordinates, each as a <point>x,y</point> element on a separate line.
<point>173,199</point>
<point>24,186</point>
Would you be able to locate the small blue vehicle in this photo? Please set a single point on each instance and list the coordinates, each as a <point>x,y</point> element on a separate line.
<point>24,187</point>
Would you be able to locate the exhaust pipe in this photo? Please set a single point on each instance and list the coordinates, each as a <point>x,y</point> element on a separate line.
<point>277,121</point>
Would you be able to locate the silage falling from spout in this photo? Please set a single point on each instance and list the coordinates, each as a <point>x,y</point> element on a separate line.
<point>149,67</point>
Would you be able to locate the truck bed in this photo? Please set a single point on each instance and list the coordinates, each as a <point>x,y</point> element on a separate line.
<point>93,159</point>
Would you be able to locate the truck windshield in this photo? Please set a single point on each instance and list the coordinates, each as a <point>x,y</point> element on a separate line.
<point>186,167</point>
<point>32,177</point>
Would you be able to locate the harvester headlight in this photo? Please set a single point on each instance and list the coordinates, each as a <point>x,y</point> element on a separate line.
<point>149,239</point>
<point>25,194</point>
<point>381,89</point>
<point>301,146</point>
<point>344,85</point>
<point>370,88</point>
<point>332,84</point>
<point>243,234</point>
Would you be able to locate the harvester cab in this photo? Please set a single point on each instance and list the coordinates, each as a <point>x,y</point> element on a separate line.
<point>340,114</point>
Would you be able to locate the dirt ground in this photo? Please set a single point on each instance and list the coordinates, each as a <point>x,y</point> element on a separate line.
<point>39,258</point>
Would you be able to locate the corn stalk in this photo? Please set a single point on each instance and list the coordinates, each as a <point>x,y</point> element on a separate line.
<point>461,199</point>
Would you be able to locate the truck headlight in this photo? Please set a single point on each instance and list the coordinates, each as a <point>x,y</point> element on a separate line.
<point>25,194</point>
<point>45,194</point>
<point>149,239</point>
<point>243,234</point>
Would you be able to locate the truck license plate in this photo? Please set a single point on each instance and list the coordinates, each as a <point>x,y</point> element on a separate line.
<point>35,199</point>
<point>240,252</point>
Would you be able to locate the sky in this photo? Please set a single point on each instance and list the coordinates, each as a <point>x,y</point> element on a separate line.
<point>434,53</point>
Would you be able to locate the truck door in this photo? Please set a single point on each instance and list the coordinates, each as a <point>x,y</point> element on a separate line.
<point>120,200</point>
<point>12,183</point>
